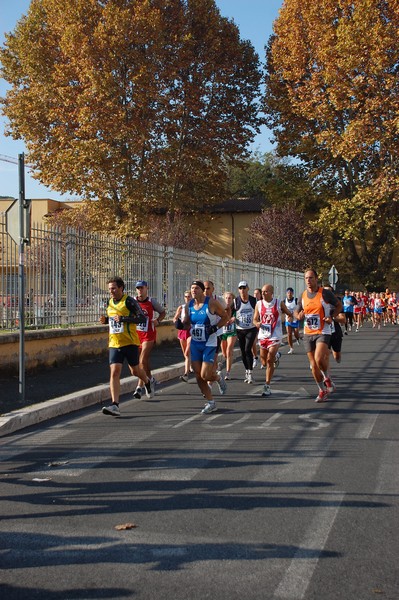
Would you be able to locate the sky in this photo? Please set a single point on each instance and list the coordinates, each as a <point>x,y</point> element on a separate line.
<point>254,19</point>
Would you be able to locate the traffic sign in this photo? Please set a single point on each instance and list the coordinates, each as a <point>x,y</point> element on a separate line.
<point>333,276</point>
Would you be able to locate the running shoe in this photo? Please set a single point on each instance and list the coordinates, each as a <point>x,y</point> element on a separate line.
<point>112,410</point>
<point>298,343</point>
<point>137,393</point>
<point>255,362</point>
<point>222,386</point>
<point>246,376</point>
<point>290,351</point>
<point>184,377</point>
<point>262,366</point>
<point>227,376</point>
<point>322,396</point>
<point>277,360</point>
<point>209,407</point>
<point>266,391</point>
<point>330,385</point>
<point>249,378</point>
<point>153,381</point>
<point>148,390</point>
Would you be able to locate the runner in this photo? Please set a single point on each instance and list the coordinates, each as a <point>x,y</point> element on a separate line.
<point>147,331</point>
<point>205,315</point>
<point>348,302</point>
<point>335,344</point>
<point>314,308</point>
<point>210,292</point>
<point>358,311</point>
<point>257,296</point>
<point>123,314</point>
<point>267,319</point>
<point>378,308</point>
<point>229,334</point>
<point>291,325</point>
<point>244,305</point>
<point>184,336</point>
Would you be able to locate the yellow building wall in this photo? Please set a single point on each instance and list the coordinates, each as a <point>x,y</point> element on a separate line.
<point>228,234</point>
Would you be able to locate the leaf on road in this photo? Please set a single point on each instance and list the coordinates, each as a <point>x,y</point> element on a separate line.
<point>40,479</point>
<point>57,464</point>
<point>125,526</point>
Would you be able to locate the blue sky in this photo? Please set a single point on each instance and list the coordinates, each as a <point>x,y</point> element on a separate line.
<point>253,17</point>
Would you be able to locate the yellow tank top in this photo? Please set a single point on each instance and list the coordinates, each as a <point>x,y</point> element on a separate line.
<point>121,334</point>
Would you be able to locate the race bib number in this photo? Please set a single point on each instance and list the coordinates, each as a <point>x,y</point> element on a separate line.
<point>198,333</point>
<point>313,322</point>
<point>266,329</point>
<point>143,326</point>
<point>246,319</point>
<point>228,328</point>
<point>114,326</point>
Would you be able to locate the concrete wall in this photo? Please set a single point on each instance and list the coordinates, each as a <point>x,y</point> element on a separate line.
<point>47,348</point>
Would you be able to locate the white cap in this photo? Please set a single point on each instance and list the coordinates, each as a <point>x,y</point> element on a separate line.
<point>242,284</point>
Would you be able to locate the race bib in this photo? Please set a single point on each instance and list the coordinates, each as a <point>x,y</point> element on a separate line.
<point>198,333</point>
<point>143,326</point>
<point>313,322</point>
<point>246,319</point>
<point>266,329</point>
<point>114,326</point>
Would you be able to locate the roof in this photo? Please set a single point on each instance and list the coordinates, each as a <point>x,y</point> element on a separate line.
<point>239,205</point>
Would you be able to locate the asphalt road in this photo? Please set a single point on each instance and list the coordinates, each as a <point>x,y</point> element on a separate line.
<point>277,498</point>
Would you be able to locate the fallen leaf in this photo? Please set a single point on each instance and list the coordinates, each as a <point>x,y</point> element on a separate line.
<point>40,479</point>
<point>57,464</point>
<point>125,526</point>
<point>377,591</point>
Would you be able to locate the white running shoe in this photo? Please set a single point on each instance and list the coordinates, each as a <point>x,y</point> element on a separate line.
<point>227,376</point>
<point>266,391</point>
<point>255,362</point>
<point>112,410</point>
<point>209,407</point>
<point>246,376</point>
<point>249,377</point>
<point>290,351</point>
<point>222,386</point>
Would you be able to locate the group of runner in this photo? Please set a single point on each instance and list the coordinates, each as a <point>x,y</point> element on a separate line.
<point>209,326</point>
<point>381,308</point>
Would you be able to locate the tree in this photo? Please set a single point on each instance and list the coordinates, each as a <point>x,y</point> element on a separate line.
<point>137,103</point>
<point>332,101</point>
<point>277,180</point>
<point>279,238</point>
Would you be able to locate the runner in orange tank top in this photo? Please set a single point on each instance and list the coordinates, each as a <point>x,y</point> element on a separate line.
<point>314,307</point>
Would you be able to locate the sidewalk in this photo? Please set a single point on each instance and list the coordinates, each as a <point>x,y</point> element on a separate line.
<point>56,391</point>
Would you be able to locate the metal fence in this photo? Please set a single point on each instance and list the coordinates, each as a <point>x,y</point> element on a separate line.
<point>66,274</point>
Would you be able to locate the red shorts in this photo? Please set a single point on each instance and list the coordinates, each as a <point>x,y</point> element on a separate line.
<point>147,336</point>
<point>183,334</point>
<point>266,344</point>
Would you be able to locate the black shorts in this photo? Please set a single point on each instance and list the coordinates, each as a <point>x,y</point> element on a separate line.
<point>336,339</point>
<point>118,355</point>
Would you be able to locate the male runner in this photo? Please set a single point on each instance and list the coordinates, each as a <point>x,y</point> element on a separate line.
<point>267,319</point>
<point>147,331</point>
<point>314,308</point>
<point>123,314</point>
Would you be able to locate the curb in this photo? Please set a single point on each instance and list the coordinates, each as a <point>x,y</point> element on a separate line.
<point>36,413</point>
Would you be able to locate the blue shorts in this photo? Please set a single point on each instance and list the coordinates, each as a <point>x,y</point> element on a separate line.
<point>202,353</point>
<point>293,324</point>
<point>118,355</point>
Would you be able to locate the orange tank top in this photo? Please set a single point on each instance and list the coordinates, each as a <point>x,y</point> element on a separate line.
<point>315,311</point>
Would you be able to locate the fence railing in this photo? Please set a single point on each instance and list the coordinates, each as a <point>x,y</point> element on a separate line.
<point>66,274</point>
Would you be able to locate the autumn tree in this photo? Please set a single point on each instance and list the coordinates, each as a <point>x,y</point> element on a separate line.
<point>332,101</point>
<point>139,104</point>
<point>279,238</point>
